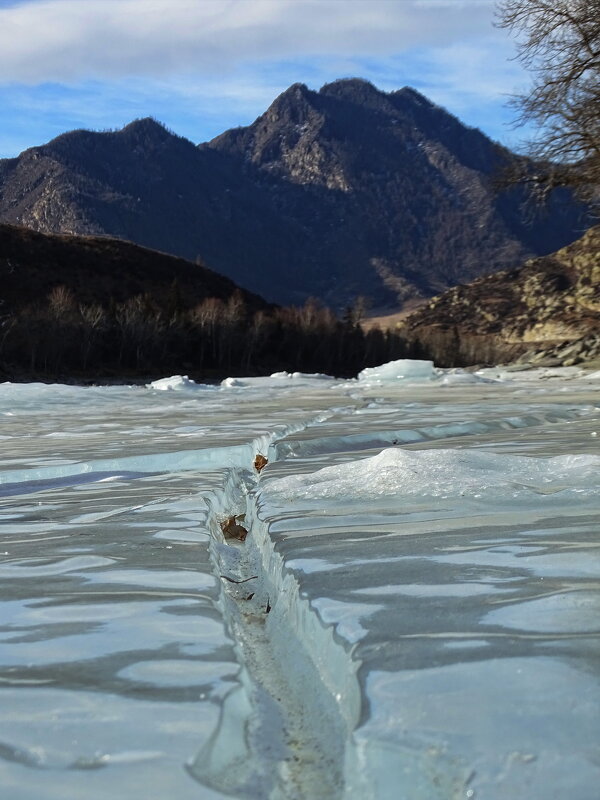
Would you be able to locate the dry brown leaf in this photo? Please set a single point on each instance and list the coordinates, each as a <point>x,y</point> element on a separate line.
<point>232,530</point>
<point>260,462</point>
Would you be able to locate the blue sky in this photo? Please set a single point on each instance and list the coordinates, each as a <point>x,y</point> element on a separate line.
<point>201,66</point>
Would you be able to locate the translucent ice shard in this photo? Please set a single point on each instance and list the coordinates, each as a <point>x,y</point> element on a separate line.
<point>402,370</point>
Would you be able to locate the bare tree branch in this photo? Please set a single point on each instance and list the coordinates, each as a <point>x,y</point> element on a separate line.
<point>559,42</point>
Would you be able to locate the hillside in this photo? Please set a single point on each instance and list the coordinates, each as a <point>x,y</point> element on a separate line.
<point>96,308</point>
<point>102,270</point>
<point>333,194</point>
<point>544,312</point>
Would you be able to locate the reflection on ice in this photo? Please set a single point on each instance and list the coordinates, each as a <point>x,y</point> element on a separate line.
<point>431,590</point>
<point>564,611</point>
<point>65,745</point>
<point>177,673</point>
<point>31,568</point>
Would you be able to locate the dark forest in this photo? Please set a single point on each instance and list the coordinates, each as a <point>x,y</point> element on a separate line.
<point>62,338</point>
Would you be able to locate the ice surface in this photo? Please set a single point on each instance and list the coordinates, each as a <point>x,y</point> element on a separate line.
<point>477,724</point>
<point>454,377</point>
<point>108,584</point>
<point>454,574</point>
<point>440,473</point>
<point>278,380</point>
<point>303,376</point>
<point>428,540</point>
<point>346,618</point>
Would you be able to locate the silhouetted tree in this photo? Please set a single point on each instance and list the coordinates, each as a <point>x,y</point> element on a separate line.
<point>63,338</point>
<point>559,42</point>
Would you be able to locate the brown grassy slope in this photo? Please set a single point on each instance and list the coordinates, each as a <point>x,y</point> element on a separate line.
<point>97,269</point>
<point>546,306</point>
<point>391,321</point>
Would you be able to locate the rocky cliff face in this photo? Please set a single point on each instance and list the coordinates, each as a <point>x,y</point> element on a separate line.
<point>545,312</point>
<point>335,193</point>
<point>399,189</point>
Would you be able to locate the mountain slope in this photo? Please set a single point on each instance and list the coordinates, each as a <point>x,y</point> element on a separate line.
<point>100,270</point>
<point>92,307</point>
<point>334,193</point>
<point>547,310</point>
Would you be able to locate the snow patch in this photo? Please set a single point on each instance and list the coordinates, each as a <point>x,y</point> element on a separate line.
<point>177,383</point>
<point>319,376</point>
<point>235,383</point>
<point>439,473</point>
<point>453,377</point>
<point>277,380</point>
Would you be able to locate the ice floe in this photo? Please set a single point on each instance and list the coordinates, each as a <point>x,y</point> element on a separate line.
<point>404,369</point>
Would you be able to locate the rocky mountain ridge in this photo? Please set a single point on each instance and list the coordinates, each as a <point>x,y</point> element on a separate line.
<point>334,194</point>
<point>545,312</point>
<point>96,308</point>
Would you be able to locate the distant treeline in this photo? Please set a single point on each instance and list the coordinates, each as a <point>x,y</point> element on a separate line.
<point>63,338</point>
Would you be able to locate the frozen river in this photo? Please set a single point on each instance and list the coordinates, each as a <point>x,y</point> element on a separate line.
<point>413,614</point>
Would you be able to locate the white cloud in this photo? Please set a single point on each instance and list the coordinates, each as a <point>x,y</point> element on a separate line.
<point>73,40</point>
<point>203,66</point>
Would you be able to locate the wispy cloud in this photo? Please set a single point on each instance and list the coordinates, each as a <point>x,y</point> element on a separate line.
<point>72,40</point>
<point>202,66</point>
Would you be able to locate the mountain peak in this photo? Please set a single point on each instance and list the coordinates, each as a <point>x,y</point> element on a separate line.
<point>413,96</point>
<point>146,127</point>
<point>358,92</point>
<point>296,91</point>
<point>145,131</point>
<point>350,87</point>
<point>333,193</point>
<point>293,105</point>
